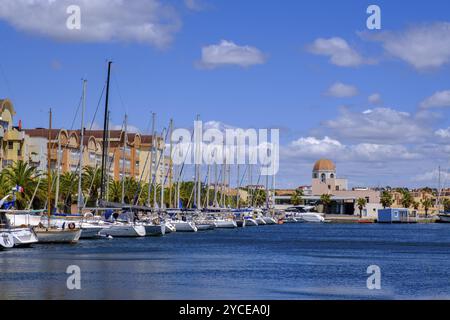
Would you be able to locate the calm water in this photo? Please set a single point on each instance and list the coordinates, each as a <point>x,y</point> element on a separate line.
<point>295,261</point>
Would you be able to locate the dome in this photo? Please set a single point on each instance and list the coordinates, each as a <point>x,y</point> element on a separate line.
<point>324,165</point>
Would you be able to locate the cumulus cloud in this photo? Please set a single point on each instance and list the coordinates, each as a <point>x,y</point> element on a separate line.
<point>440,99</point>
<point>432,176</point>
<point>314,148</point>
<point>424,46</point>
<point>140,21</point>
<point>378,125</point>
<point>341,90</point>
<point>339,51</point>
<point>228,53</point>
<point>443,133</point>
<point>375,99</point>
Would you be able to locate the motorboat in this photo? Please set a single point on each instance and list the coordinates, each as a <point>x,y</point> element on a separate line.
<point>169,227</point>
<point>6,240</point>
<point>269,220</point>
<point>309,217</point>
<point>22,236</point>
<point>444,217</point>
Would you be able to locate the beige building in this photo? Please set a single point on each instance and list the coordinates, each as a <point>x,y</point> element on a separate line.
<point>12,138</point>
<point>126,155</point>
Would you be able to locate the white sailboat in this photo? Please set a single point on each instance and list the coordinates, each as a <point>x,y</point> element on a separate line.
<point>22,236</point>
<point>49,234</point>
<point>6,240</point>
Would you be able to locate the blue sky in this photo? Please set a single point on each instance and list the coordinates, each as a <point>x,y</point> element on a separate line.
<point>289,71</point>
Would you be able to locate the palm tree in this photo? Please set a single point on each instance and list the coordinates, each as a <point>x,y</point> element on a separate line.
<point>68,189</point>
<point>386,199</point>
<point>91,183</point>
<point>426,204</point>
<point>115,191</point>
<point>326,201</point>
<point>407,199</point>
<point>23,175</point>
<point>361,203</point>
<point>446,204</point>
<point>296,198</point>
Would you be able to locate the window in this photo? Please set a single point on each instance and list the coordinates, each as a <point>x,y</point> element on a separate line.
<point>10,145</point>
<point>323,177</point>
<point>332,176</point>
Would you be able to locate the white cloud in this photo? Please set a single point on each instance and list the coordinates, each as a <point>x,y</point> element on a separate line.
<point>141,21</point>
<point>229,53</point>
<point>312,146</point>
<point>375,99</point>
<point>339,51</point>
<point>341,90</point>
<point>439,99</point>
<point>424,46</point>
<point>432,176</point>
<point>443,133</point>
<point>378,125</point>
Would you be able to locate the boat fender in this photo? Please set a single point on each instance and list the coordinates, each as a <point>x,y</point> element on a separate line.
<point>71,226</point>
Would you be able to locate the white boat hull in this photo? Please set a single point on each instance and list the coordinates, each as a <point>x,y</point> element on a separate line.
<point>269,220</point>
<point>250,222</point>
<point>184,226</point>
<point>58,235</point>
<point>90,231</point>
<point>6,240</point>
<point>225,224</point>
<point>23,237</point>
<point>260,221</point>
<point>155,230</point>
<point>170,227</point>
<point>124,231</point>
<point>205,226</point>
<point>444,218</point>
<point>309,217</point>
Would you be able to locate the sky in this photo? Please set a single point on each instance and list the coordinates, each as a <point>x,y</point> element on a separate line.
<point>376,102</point>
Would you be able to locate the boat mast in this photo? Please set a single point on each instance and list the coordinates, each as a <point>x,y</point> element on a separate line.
<point>80,200</point>
<point>170,161</point>
<point>123,159</point>
<point>163,180</point>
<point>49,159</point>
<point>150,172</point>
<point>58,171</point>
<point>105,127</point>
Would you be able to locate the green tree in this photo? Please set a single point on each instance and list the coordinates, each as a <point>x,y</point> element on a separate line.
<point>21,174</point>
<point>407,199</point>
<point>361,203</point>
<point>296,197</point>
<point>446,204</point>
<point>386,199</point>
<point>426,204</point>
<point>68,189</point>
<point>91,184</point>
<point>326,201</point>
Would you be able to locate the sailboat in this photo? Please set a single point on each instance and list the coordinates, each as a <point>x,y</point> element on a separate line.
<point>48,233</point>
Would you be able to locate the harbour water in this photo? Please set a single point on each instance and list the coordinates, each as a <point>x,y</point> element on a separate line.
<point>292,261</point>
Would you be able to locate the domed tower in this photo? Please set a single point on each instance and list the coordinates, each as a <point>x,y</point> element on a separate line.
<point>324,169</point>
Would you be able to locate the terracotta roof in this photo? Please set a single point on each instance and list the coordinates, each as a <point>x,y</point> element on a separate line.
<point>324,165</point>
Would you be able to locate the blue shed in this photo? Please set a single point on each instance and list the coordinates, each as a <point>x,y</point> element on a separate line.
<point>393,215</point>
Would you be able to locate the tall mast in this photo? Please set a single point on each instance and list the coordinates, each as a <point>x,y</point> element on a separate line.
<point>58,172</point>
<point>208,173</point>
<point>105,126</point>
<point>152,158</point>
<point>199,182</point>
<point>267,191</point>
<point>170,162</point>
<point>163,180</point>
<point>123,158</point>
<point>80,172</point>
<point>49,159</point>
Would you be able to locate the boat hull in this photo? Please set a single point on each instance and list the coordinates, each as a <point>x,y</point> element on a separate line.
<point>90,231</point>
<point>28,219</point>
<point>124,231</point>
<point>445,218</point>
<point>260,221</point>
<point>6,240</point>
<point>250,223</point>
<point>155,230</point>
<point>205,226</point>
<point>225,224</point>
<point>170,227</point>
<point>23,237</point>
<point>269,220</point>
<point>58,236</point>
<point>183,226</point>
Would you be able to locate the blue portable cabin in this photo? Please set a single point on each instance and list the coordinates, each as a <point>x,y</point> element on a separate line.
<point>393,215</point>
